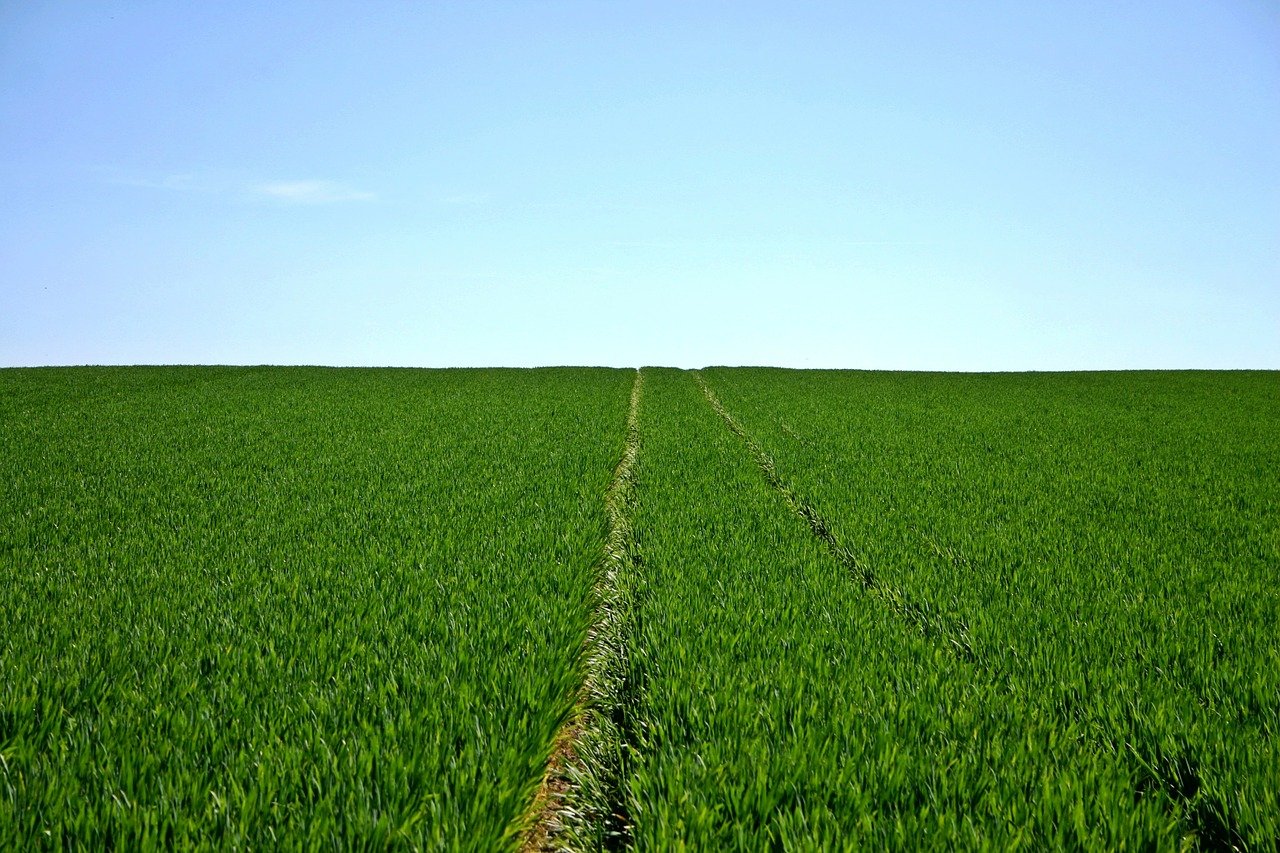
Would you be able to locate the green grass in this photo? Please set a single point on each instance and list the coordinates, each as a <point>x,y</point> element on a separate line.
<point>784,705</point>
<point>313,606</point>
<point>303,607</point>
<point>1107,545</point>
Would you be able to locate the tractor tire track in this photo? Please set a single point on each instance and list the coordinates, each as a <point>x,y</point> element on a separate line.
<point>928,619</point>
<point>578,805</point>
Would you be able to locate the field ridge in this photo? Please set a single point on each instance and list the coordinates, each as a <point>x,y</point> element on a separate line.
<point>577,805</point>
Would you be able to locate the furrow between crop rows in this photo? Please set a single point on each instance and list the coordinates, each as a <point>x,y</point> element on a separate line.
<point>925,618</point>
<point>578,804</point>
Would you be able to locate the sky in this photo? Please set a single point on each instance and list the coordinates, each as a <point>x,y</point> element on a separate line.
<point>907,185</point>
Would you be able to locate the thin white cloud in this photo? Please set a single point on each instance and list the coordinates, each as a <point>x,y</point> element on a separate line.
<point>297,192</point>
<point>312,192</point>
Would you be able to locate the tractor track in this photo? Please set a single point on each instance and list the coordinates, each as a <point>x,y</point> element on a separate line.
<point>927,619</point>
<point>578,803</point>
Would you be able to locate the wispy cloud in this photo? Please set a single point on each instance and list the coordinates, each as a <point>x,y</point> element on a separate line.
<point>295,192</point>
<point>312,192</point>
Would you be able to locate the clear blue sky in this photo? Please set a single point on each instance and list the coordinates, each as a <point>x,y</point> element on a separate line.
<point>954,186</point>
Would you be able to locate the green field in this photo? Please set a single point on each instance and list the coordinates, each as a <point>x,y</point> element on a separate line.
<point>722,609</point>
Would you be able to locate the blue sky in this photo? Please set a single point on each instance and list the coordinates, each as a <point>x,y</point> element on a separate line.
<point>949,186</point>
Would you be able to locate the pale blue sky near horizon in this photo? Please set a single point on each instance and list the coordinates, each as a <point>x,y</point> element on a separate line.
<point>917,185</point>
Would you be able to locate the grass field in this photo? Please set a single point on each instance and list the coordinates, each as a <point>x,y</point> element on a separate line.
<point>724,609</point>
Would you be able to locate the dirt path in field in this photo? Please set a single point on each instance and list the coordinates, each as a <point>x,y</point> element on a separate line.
<point>930,622</point>
<point>577,804</point>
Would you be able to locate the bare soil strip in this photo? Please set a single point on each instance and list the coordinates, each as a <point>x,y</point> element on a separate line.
<point>925,618</point>
<point>578,804</point>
